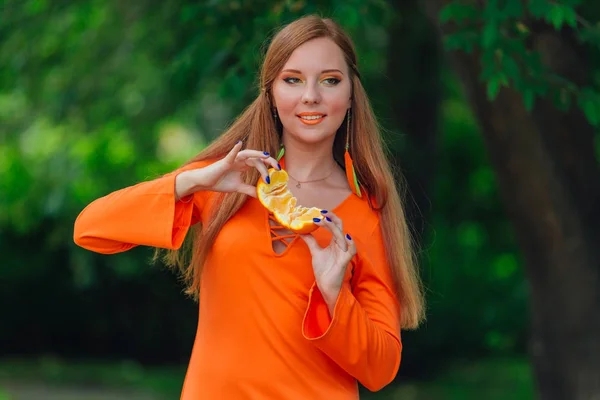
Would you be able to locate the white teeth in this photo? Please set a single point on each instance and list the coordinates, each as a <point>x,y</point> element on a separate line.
<point>310,117</point>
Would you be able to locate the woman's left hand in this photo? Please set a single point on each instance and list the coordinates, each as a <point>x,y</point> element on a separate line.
<point>330,263</point>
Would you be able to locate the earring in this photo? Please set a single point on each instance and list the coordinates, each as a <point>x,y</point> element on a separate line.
<point>281,152</point>
<point>350,172</point>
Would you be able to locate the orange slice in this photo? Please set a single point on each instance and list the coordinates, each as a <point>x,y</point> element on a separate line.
<point>277,198</point>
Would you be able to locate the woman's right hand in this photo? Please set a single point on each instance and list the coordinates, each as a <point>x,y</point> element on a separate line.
<point>225,175</point>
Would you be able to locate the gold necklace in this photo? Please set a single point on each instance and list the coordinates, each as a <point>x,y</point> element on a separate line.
<point>298,183</point>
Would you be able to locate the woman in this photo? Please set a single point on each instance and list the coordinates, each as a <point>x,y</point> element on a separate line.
<point>283,316</point>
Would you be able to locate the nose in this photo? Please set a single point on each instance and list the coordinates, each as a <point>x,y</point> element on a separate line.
<point>311,95</point>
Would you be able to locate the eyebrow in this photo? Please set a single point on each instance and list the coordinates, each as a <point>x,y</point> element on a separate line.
<point>323,72</point>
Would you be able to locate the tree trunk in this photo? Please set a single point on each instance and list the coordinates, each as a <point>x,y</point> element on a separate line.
<point>549,179</point>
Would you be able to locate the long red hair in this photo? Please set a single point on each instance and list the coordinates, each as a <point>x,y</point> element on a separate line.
<point>259,130</point>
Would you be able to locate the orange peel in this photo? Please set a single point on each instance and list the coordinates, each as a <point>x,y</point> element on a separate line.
<point>279,200</point>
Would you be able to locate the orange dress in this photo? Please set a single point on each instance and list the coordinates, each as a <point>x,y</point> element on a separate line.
<point>264,331</point>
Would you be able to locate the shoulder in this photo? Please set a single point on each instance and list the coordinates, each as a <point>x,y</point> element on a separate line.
<point>361,219</point>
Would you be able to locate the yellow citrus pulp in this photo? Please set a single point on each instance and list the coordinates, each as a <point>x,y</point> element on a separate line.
<point>277,198</point>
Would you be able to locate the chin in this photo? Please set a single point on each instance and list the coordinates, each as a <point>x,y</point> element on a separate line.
<point>312,134</point>
<point>312,137</point>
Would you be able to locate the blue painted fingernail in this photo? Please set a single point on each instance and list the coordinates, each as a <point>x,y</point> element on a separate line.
<point>268,180</point>
<point>239,141</point>
<point>279,166</point>
<point>317,219</point>
<point>348,237</point>
<point>265,153</point>
<point>323,211</point>
<point>328,219</point>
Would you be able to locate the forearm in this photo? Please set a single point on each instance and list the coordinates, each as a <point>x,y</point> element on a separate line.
<point>144,214</point>
<point>186,183</point>
<point>330,297</point>
<point>369,349</point>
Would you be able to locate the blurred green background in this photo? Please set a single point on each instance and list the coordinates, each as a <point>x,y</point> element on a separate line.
<point>98,95</point>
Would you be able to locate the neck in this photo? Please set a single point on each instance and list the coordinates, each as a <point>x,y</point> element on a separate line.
<point>305,161</point>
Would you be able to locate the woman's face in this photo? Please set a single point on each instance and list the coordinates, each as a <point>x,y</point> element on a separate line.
<point>313,92</point>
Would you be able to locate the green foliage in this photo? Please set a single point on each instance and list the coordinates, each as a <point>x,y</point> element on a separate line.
<point>493,379</point>
<point>474,274</point>
<point>98,95</point>
<point>501,32</point>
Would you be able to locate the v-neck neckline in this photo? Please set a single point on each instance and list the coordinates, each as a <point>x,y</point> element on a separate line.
<point>336,209</point>
<point>270,239</point>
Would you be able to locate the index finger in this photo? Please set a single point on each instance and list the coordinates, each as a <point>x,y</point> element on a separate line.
<point>334,226</point>
<point>334,218</point>
<point>264,156</point>
<point>272,162</point>
<point>247,153</point>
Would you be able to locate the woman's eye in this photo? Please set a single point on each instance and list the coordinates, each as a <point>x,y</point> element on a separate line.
<point>291,80</point>
<point>331,81</point>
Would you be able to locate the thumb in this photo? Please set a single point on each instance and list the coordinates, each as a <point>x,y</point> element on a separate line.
<point>311,242</point>
<point>230,157</point>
